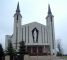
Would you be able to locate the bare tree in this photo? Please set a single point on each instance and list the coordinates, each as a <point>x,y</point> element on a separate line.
<point>59,47</point>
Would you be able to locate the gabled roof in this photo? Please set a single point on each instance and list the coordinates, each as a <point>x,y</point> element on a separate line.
<point>34,24</point>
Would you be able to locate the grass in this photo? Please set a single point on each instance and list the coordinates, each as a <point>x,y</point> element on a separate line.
<point>64,57</point>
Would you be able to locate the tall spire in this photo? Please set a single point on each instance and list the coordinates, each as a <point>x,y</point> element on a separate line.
<point>49,9</point>
<point>18,9</point>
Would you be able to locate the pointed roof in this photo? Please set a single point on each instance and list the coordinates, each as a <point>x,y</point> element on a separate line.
<point>18,9</point>
<point>49,9</point>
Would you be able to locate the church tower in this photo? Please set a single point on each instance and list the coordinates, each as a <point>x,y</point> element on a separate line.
<point>50,30</point>
<point>17,33</point>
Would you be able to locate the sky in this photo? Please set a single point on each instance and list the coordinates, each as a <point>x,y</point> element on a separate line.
<point>34,11</point>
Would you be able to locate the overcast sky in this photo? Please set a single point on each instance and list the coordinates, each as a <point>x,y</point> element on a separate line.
<point>34,10</point>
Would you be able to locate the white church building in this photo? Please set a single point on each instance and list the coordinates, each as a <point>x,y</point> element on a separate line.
<point>39,39</point>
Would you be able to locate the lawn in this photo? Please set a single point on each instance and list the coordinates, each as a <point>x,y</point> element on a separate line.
<point>64,57</point>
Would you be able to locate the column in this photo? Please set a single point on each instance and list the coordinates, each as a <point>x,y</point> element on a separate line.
<point>43,49</point>
<point>37,50</point>
<point>26,49</point>
<point>31,50</point>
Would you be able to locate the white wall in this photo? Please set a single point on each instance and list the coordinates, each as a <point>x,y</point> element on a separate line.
<point>27,32</point>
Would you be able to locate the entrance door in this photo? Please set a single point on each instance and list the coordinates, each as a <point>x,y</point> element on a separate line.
<point>40,50</point>
<point>34,50</point>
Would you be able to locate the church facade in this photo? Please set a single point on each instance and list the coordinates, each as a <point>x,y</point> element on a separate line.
<point>39,39</point>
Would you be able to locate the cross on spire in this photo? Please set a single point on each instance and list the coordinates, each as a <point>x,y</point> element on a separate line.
<point>18,9</point>
<point>49,9</point>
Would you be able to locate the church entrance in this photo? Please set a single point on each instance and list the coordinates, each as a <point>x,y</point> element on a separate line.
<point>37,50</point>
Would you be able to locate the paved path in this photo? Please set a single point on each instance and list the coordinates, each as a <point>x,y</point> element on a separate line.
<point>46,58</point>
<point>57,58</point>
<point>43,58</point>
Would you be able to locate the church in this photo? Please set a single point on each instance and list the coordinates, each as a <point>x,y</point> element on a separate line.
<point>39,39</point>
